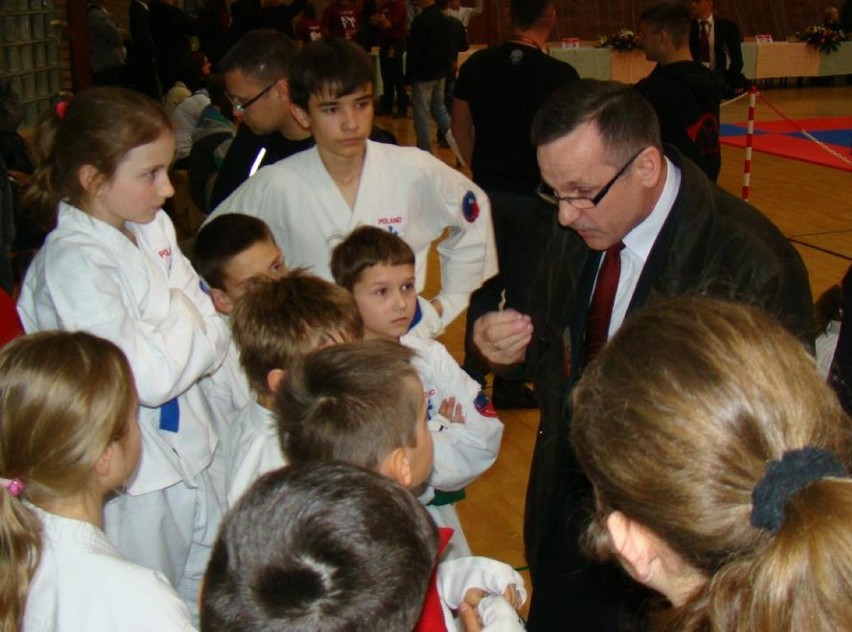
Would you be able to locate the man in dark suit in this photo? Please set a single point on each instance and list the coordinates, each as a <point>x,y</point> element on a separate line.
<point>717,43</point>
<point>666,230</point>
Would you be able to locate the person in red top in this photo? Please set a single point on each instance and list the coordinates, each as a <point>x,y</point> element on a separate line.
<point>308,28</point>
<point>341,19</point>
<point>390,19</point>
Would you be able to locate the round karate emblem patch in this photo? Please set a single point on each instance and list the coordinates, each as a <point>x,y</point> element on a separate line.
<point>470,207</point>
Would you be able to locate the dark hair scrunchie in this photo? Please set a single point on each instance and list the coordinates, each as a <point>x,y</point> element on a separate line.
<point>785,478</point>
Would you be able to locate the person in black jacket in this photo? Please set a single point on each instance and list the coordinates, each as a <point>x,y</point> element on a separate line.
<point>717,43</point>
<point>684,93</point>
<point>434,43</point>
<point>672,232</point>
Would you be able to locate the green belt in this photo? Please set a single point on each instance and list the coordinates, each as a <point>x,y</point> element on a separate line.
<point>448,498</point>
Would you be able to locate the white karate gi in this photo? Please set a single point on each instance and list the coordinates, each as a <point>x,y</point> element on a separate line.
<point>148,301</point>
<point>405,190</point>
<point>456,576</point>
<point>82,583</point>
<point>463,451</point>
<point>228,393</point>
<point>255,450</point>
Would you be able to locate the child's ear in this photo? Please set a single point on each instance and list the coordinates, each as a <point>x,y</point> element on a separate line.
<point>91,179</point>
<point>634,545</point>
<point>300,115</point>
<point>221,301</point>
<point>274,379</point>
<point>397,466</point>
<point>102,464</point>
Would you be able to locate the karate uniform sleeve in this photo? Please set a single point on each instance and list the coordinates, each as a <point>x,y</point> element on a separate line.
<point>498,615</point>
<point>168,352</point>
<point>463,451</point>
<point>456,576</point>
<point>468,255</point>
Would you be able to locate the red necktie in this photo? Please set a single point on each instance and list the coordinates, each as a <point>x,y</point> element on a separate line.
<point>600,309</point>
<point>704,43</point>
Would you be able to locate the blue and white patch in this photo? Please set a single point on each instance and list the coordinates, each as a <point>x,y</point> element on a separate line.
<point>470,207</point>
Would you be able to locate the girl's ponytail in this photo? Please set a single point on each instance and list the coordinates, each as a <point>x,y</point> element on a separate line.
<point>20,549</point>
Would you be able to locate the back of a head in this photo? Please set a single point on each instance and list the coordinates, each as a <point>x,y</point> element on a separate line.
<point>320,546</point>
<point>223,238</point>
<point>265,54</point>
<point>672,17</point>
<point>365,247</point>
<point>675,423</point>
<point>190,69</point>
<point>278,322</point>
<point>625,121</point>
<point>64,397</point>
<point>215,83</point>
<point>329,66</point>
<point>526,13</point>
<point>354,403</point>
<point>97,127</point>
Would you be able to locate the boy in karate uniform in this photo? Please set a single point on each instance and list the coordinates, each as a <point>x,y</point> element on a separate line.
<point>315,198</point>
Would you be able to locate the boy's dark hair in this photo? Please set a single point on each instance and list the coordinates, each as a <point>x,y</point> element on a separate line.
<point>282,320</point>
<point>355,403</point>
<point>365,247</point>
<point>320,546</point>
<point>329,65</point>
<point>266,55</point>
<point>673,17</point>
<point>222,239</point>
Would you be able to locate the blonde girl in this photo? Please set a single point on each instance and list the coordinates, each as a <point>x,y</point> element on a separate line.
<point>112,267</point>
<point>68,436</point>
<point>719,459</point>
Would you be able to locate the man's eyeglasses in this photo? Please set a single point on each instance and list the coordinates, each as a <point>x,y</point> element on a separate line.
<point>547,193</point>
<point>242,107</point>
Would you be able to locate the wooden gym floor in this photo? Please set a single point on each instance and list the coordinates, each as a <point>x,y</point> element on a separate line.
<point>812,205</point>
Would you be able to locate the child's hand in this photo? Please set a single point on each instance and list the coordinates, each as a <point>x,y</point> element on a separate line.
<point>512,596</point>
<point>451,410</point>
<point>474,595</point>
<point>469,617</point>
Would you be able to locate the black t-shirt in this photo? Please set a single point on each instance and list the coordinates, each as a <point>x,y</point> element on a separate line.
<point>504,86</point>
<point>686,98</point>
<point>242,154</point>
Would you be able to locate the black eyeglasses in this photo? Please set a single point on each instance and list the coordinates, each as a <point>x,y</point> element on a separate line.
<point>546,193</point>
<point>242,107</point>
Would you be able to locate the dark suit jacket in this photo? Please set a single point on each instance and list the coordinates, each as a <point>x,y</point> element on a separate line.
<point>711,243</point>
<point>727,50</point>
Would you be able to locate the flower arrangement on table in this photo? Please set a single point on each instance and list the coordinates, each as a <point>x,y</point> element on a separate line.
<point>823,38</point>
<point>624,40</point>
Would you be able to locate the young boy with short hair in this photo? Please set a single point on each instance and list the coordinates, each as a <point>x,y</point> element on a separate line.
<point>233,254</point>
<point>273,325</point>
<point>377,267</point>
<point>363,403</point>
<point>320,546</point>
<point>313,198</point>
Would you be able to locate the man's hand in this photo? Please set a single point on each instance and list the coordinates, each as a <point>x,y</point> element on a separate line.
<point>503,337</point>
